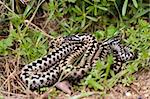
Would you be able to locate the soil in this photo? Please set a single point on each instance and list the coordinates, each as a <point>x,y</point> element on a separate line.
<point>139,89</point>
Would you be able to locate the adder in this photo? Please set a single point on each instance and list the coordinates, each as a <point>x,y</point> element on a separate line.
<point>72,58</point>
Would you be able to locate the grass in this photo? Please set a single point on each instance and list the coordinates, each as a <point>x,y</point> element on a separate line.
<point>26,30</point>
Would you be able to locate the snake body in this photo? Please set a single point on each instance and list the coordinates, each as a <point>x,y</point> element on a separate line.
<point>61,62</point>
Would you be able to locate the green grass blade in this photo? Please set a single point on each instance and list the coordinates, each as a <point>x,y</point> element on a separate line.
<point>83,95</point>
<point>92,18</point>
<point>124,8</point>
<point>135,3</point>
<point>142,13</point>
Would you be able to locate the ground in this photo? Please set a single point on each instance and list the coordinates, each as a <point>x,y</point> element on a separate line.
<point>140,89</point>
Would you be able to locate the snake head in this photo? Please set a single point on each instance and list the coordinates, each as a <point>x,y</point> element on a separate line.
<point>74,38</point>
<point>113,41</point>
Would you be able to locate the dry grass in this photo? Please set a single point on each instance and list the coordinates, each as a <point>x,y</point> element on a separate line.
<point>11,85</point>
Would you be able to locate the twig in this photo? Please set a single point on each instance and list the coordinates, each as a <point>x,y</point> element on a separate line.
<point>11,75</point>
<point>6,7</point>
<point>43,32</point>
<point>82,95</point>
<point>18,95</point>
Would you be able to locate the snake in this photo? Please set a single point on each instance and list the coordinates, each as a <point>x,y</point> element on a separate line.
<point>72,58</point>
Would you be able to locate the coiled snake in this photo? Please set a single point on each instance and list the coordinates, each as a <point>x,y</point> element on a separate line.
<point>73,57</point>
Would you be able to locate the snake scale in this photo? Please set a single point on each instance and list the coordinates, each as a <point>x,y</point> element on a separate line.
<point>72,58</point>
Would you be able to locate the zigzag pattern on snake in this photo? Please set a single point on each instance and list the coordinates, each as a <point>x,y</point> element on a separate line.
<point>73,57</point>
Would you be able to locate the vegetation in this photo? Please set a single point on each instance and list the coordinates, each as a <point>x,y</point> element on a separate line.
<point>26,30</point>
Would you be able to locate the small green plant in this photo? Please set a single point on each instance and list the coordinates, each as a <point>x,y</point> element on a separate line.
<point>138,39</point>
